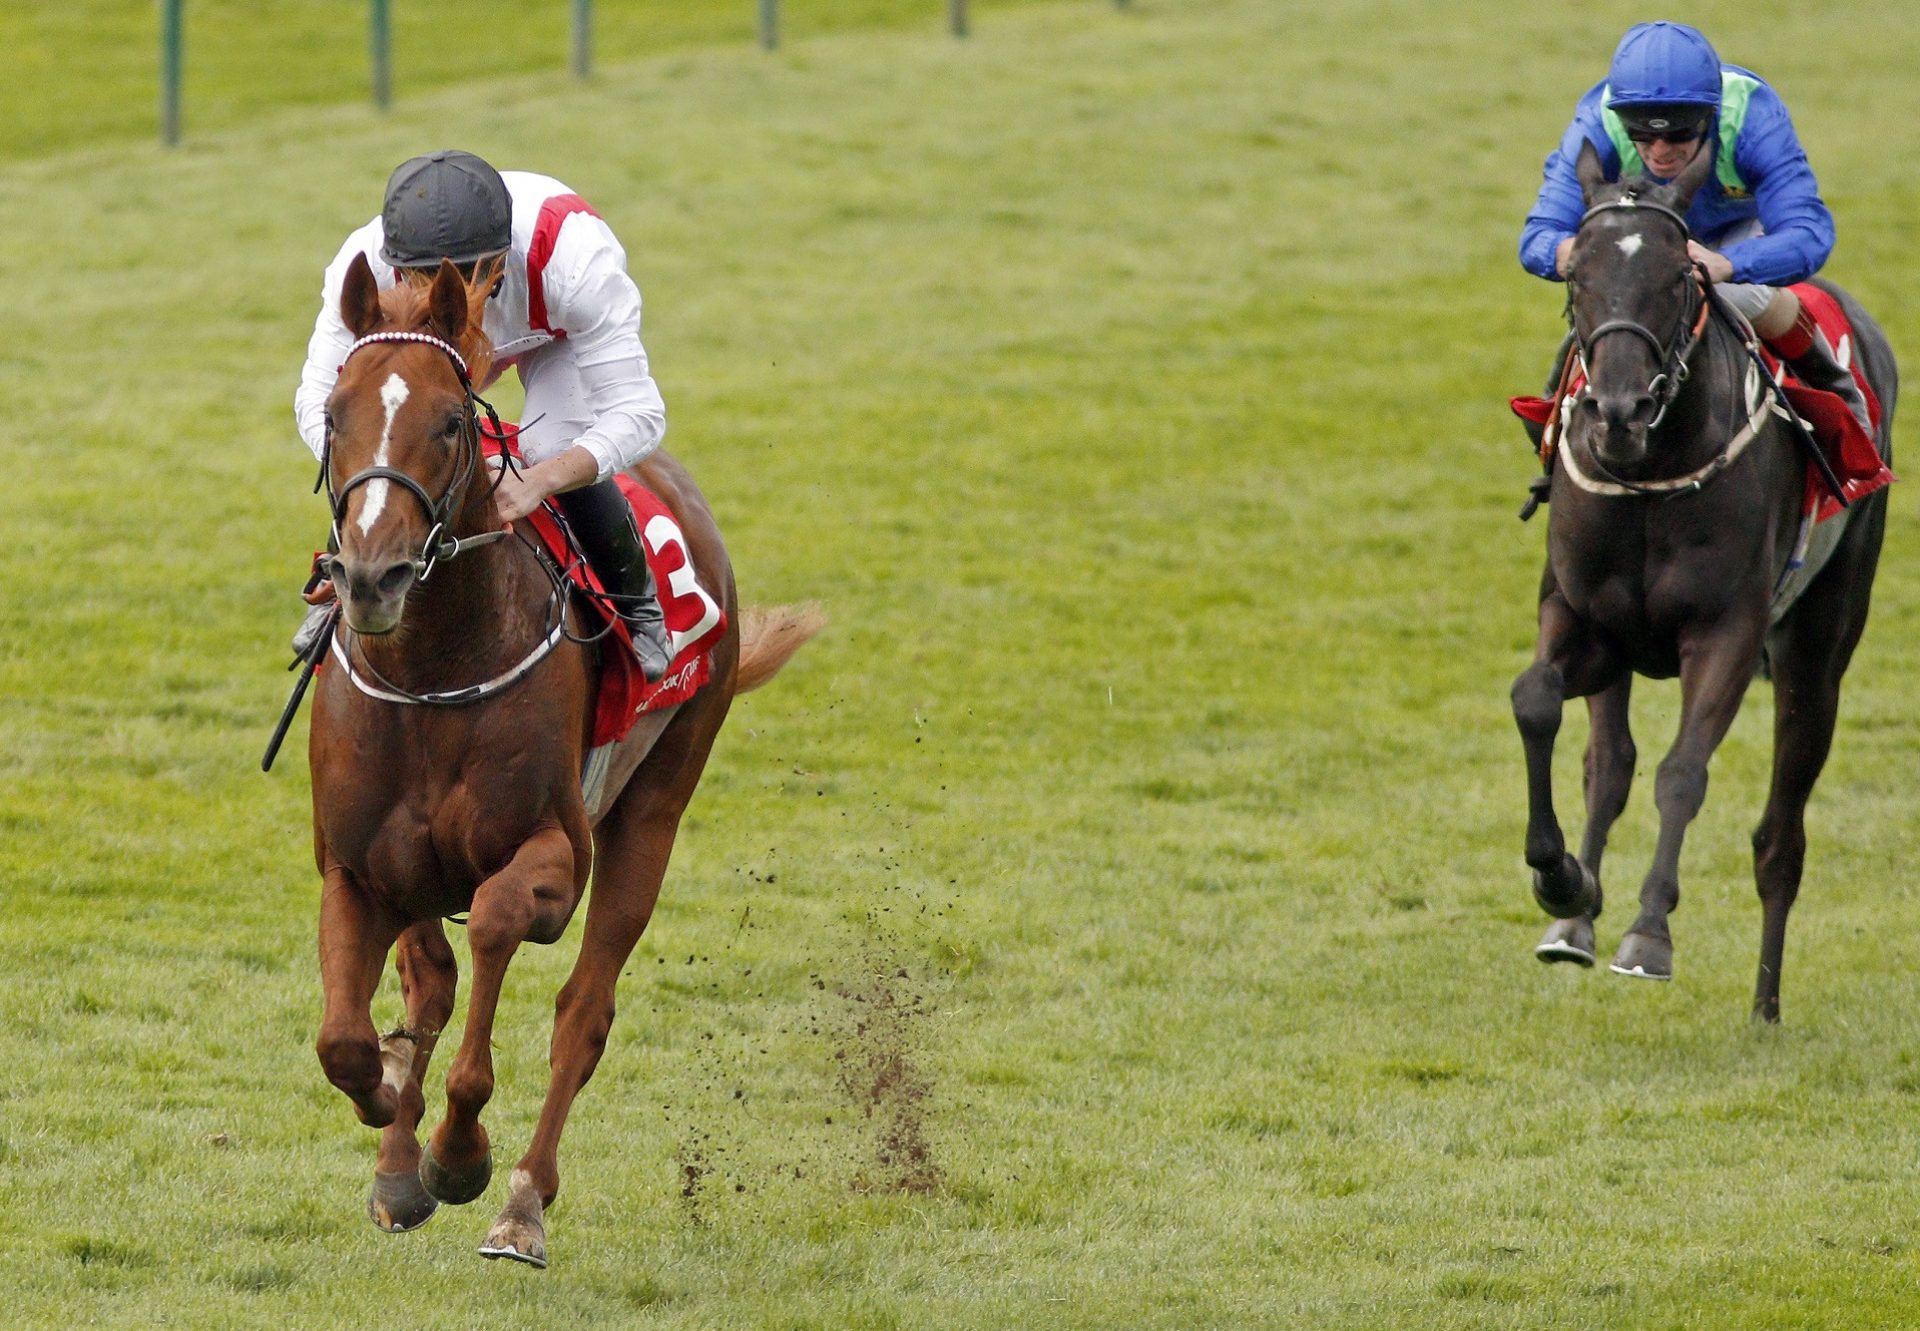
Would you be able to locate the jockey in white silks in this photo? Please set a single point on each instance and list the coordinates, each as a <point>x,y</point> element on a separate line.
<point>565,315</point>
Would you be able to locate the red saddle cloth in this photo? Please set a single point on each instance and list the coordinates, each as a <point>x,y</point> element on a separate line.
<point>1855,459</point>
<point>695,620</point>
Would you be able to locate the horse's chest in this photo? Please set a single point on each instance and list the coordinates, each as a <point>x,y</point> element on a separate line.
<point>427,845</point>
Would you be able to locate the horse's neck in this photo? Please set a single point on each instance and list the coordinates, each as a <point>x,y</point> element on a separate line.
<point>1710,406</point>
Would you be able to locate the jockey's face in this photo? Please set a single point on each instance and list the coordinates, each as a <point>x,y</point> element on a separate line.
<point>1665,157</point>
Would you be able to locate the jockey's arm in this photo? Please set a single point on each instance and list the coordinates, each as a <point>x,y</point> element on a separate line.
<point>1547,238</point>
<point>1797,230</point>
<point>330,341</point>
<point>593,299</point>
<point>520,494</point>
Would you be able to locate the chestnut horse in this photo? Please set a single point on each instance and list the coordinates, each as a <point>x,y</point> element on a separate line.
<point>453,782</point>
<point>1669,564</point>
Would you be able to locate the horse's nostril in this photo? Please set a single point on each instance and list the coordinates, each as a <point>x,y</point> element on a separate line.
<point>396,579</point>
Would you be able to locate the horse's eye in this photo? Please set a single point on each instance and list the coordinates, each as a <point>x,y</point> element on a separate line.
<point>451,429</point>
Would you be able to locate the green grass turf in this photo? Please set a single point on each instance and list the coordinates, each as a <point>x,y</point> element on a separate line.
<point>81,72</point>
<point>1129,387</point>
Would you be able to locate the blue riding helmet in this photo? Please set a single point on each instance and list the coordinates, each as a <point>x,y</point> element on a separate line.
<point>1667,64</point>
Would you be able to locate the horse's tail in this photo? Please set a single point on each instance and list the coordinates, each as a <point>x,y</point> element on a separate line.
<point>769,636</point>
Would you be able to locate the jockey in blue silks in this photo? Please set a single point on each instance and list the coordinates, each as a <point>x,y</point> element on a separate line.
<point>1758,222</point>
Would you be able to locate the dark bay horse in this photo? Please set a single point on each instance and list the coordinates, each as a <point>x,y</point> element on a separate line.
<point>461,790</point>
<point>1675,511</point>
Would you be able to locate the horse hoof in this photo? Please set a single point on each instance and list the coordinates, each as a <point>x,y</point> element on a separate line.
<point>1572,890</point>
<point>454,1187</point>
<point>520,1234</point>
<point>1567,940</point>
<point>398,1203</point>
<point>1644,958</point>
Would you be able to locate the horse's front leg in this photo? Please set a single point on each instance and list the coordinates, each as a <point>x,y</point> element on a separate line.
<point>1608,777</point>
<point>356,929</point>
<point>1569,661</point>
<point>428,974</point>
<point>1715,670</point>
<point>533,897</point>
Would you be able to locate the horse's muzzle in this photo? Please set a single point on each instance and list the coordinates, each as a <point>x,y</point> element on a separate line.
<point>372,596</point>
<point>1618,424</point>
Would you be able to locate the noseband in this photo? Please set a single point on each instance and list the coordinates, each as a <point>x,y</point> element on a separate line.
<point>1671,354</point>
<point>438,544</point>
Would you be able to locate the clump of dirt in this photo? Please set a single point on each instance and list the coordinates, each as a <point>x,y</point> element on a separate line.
<point>879,1067</point>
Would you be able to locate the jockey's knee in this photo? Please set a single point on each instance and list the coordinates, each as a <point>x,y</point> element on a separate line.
<point>1771,310</point>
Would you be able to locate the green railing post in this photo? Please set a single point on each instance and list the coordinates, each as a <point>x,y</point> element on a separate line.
<point>582,38</point>
<point>380,47</point>
<point>769,24</point>
<point>171,41</point>
<point>957,17</point>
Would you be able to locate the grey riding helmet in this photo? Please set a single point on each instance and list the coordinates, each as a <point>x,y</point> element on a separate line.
<point>445,205</point>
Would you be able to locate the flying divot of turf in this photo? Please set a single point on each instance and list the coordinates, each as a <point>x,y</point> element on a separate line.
<point>880,1062</point>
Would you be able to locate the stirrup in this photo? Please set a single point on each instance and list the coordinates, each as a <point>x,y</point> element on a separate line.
<point>647,630</point>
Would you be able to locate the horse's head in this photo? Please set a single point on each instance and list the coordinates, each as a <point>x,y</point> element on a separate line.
<point>402,440</point>
<point>1633,295</point>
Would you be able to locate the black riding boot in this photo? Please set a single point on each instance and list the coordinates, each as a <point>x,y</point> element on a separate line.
<point>1819,368</point>
<point>602,522</point>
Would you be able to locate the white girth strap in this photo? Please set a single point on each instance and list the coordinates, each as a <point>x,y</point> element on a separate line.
<point>472,693</point>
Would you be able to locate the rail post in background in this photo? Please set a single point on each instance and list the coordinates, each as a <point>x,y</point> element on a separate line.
<point>172,38</point>
<point>957,17</point>
<point>769,24</point>
<point>380,49</point>
<point>582,38</point>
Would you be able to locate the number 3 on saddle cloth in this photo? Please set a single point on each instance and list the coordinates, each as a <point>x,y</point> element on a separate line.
<point>1854,458</point>
<point>695,620</point>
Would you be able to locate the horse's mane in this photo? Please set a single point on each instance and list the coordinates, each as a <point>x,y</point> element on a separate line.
<point>404,306</point>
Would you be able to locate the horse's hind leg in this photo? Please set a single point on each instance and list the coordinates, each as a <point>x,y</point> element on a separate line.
<point>1810,653</point>
<point>428,974</point>
<point>634,841</point>
<point>1609,777</point>
<point>1714,672</point>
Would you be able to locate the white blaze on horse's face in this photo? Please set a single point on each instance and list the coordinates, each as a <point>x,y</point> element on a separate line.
<point>393,395</point>
<point>1630,245</point>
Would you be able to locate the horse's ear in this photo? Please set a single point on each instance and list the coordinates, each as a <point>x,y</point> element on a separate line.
<point>1592,175</point>
<point>360,298</point>
<point>447,302</point>
<point>1693,175</point>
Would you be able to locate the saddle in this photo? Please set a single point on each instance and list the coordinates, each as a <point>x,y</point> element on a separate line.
<point>695,619</point>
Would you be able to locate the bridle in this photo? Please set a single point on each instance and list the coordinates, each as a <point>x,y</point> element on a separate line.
<point>1670,354</point>
<point>438,544</point>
